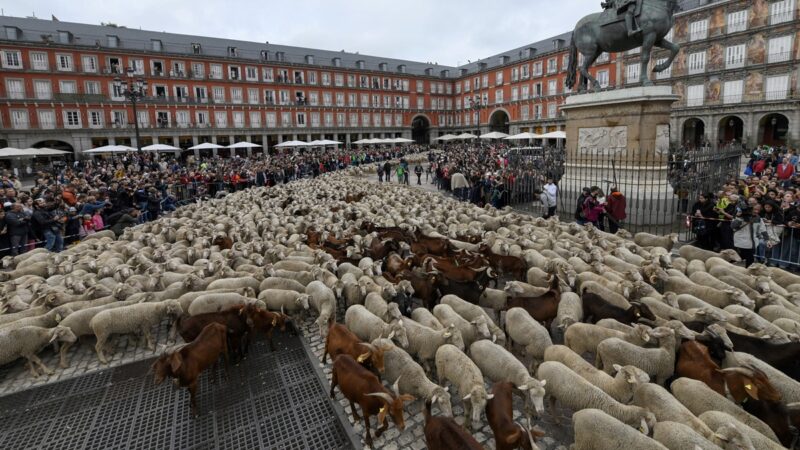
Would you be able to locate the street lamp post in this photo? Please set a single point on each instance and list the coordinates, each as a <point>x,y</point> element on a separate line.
<point>135,91</point>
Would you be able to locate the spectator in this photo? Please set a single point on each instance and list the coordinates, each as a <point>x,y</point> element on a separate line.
<point>748,228</point>
<point>87,226</point>
<point>704,221</point>
<point>579,214</point>
<point>591,207</point>
<point>785,171</point>
<point>418,172</point>
<point>615,209</point>
<point>551,189</point>
<point>18,225</point>
<point>129,218</point>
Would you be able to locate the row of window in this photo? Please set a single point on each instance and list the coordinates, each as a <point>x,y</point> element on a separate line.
<point>521,72</point>
<point>72,119</point>
<point>775,88</point>
<point>779,12</point>
<point>12,59</point>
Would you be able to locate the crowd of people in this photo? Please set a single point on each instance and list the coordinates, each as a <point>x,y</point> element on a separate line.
<point>67,203</point>
<point>758,215</point>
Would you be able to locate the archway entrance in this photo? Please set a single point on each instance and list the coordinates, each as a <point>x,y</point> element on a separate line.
<point>772,129</point>
<point>731,128</point>
<point>499,121</point>
<point>694,131</point>
<point>420,130</point>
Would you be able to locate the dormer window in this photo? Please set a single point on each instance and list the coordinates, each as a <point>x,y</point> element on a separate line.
<point>113,41</point>
<point>195,48</point>
<point>337,62</point>
<point>309,59</point>
<point>157,47</point>
<point>232,52</point>
<point>360,64</point>
<point>12,33</point>
<point>383,66</point>
<point>401,68</point>
<point>279,56</point>
<point>265,55</point>
<point>64,37</point>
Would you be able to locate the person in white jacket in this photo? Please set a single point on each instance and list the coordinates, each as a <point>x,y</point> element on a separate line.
<point>747,230</point>
<point>551,190</point>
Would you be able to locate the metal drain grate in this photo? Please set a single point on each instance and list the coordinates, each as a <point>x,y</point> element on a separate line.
<point>271,400</point>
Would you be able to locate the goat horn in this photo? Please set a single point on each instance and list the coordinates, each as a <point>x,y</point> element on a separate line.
<point>742,370</point>
<point>396,386</point>
<point>382,395</point>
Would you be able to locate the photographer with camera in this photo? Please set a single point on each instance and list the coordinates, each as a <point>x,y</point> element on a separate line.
<point>748,228</point>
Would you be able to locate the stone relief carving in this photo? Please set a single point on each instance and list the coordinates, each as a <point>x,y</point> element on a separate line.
<point>662,139</point>
<point>602,140</point>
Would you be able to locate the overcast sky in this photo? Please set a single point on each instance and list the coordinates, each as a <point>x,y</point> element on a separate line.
<point>449,32</point>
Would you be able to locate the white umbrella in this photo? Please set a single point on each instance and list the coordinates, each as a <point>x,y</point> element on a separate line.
<point>288,144</point>
<point>522,136</point>
<point>205,146</point>
<point>466,136</point>
<point>110,149</point>
<point>327,142</point>
<point>160,148</point>
<point>361,142</point>
<point>493,135</point>
<point>403,141</point>
<point>243,144</point>
<point>45,152</point>
<point>11,152</point>
<point>554,135</point>
<point>446,137</point>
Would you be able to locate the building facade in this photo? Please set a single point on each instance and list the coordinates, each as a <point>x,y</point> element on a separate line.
<point>736,76</point>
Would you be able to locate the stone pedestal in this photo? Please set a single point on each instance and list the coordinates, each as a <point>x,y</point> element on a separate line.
<point>622,137</point>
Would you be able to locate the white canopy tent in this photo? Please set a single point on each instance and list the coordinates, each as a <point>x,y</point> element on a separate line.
<point>291,144</point>
<point>403,141</point>
<point>243,144</point>
<point>160,148</point>
<point>110,149</point>
<point>46,152</point>
<point>206,146</point>
<point>324,143</point>
<point>361,142</point>
<point>523,136</point>
<point>446,137</point>
<point>554,135</point>
<point>493,135</point>
<point>11,152</point>
<point>466,136</point>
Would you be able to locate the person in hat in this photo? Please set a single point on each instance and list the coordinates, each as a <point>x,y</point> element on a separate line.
<point>615,209</point>
<point>585,192</point>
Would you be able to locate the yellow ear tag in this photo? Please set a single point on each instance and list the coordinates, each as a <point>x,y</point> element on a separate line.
<point>382,410</point>
<point>274,321</point>
<point>363,357</point>
<point>748,386</point>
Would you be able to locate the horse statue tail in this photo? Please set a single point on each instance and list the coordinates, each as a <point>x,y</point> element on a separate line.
<point>572,67</point>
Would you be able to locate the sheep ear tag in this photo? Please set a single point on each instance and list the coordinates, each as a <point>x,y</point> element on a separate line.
<point>363,357</point>
<point>274,321</point>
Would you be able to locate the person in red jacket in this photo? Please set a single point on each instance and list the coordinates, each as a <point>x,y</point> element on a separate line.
<point>758,167</point>
<point>785,170</point>
<point>615,209</point>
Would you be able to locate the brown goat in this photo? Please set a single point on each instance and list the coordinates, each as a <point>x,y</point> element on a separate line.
<point>750,387</point>
<point>359,385</point>
<point>443,433</point>
<point>188,362</point>
<point>223,242</point>
<point>237,320</point>
<point>342,341</point>
<point>508,434</point>
<point>695,362</point>
<point>266,322</point>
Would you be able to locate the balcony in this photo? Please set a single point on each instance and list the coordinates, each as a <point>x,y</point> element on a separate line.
<point>80,98</point>
<point>778,57</point>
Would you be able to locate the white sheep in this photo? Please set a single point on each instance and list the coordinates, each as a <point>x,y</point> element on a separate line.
<point>217,302</point>
<point>26,342</point>
<point>378,306</point>
<point>281,283</point>
<point>596,430</point>
<point>667,408</point>
<point>454,366</point>
<point>692,253</point>
<point>368,326</point>
<point>677,436</point>
<point>353,292</point>
<point>473,313</point>
<point>520,289</point>
<point>235,283</point>
<point>186,299</point>
<point>574,392</point>
<point>659,362</point>
<point>471,331</point>
<point>301,277</point>
<point>400,368</point>
<point>620,387</point>
<point>282,300</point>
<point>585,337</point>
<point>498,364</point>
<point>78,323</point>
<point>652,240</point>
<point>716,419</point>
<point>525,331</point>
<point>424,341</point>
<point>139,318</point>
<point>698,398</point>
<point>424,317</point>
<point>322,298</point>
<point>570,310</point>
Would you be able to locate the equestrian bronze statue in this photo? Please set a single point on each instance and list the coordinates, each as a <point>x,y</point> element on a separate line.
<point>623,26</point>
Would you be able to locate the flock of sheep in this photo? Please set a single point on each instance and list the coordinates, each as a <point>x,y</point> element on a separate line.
<point>626,301</point>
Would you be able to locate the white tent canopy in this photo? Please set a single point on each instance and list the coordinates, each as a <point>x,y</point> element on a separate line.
<point>289,144</point>
<point>403,141</point>
<point>554,135</point>
<point>160,148</point>
<point>205,146</point>
<point>243,144</point>
<point>324,143</point>
<point>110,149</point>
<point>45,152</point>
<point>466,136</point>
<point>11,152</point>
<point>522,136</point>
<point>361,142</point>
<point>446,137</point>
<point>493,135</point>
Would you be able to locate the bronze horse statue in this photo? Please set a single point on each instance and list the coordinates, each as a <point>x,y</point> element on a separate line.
<point>606,32</point>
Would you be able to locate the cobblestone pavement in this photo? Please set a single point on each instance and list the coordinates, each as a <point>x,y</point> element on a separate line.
<point>558,436</point>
